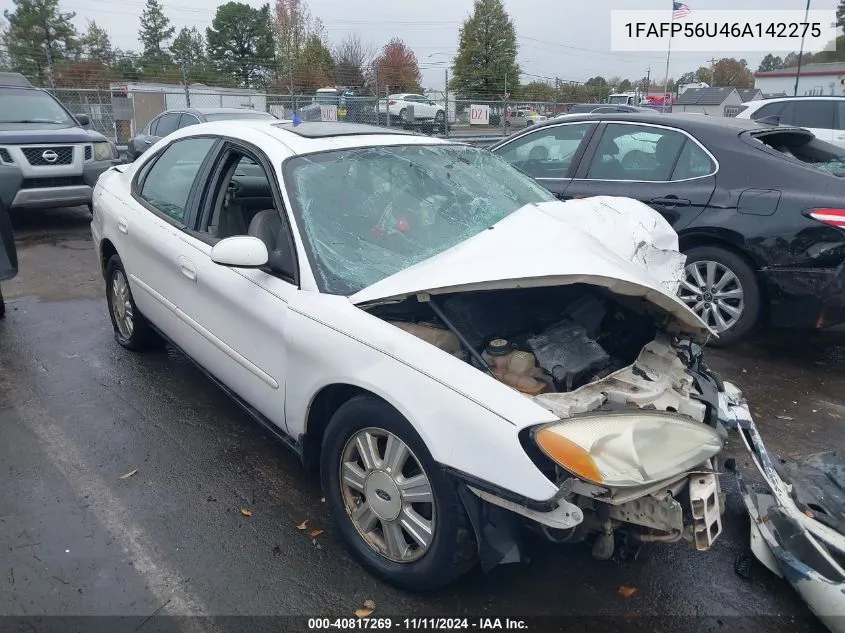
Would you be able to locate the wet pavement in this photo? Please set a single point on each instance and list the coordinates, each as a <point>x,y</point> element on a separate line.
<point>77,412</point>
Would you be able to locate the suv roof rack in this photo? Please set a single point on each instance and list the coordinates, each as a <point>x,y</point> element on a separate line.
<point>14,79</point>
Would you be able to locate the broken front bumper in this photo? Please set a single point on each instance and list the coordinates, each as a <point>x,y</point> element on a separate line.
<point>788,541</point>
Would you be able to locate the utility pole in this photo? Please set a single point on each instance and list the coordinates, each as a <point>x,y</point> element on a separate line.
<point>446,103</point>
<point>185,83</point>
<point>801,53</point>
<point>505,105</point>
<point>712,72</point>
<point>647,80</point>
<point>554,97</point>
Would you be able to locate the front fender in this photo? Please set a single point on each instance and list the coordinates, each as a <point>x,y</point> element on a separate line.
<point>468,421</point>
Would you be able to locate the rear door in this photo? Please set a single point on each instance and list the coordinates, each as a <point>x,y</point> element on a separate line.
<point>663,167</point>
<point>550,153</point>
<point>816,115</point>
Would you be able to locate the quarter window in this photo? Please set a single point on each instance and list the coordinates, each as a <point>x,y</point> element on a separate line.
<point>637,153</point>
<point>167,185</point>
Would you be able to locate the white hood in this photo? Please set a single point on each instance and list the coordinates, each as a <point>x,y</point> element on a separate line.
<point>616,243</point>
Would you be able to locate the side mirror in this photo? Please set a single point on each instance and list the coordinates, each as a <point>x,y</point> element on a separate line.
<point>82,119</point>
<point>241,251</point>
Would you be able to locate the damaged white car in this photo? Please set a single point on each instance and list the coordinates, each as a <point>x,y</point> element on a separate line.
<point>460,355</point>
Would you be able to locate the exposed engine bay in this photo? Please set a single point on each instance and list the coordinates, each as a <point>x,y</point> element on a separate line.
<point>535,340</point>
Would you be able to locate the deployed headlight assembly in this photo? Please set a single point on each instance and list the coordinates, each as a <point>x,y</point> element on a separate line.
<point>104,151</point>
<point>628,449</point>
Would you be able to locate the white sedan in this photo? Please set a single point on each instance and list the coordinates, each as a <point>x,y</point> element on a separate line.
<point>457,353</point>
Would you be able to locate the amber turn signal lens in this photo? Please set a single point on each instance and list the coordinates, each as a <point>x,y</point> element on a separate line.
<point>568,454</point>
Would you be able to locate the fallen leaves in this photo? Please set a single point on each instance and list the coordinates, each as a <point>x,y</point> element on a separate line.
<point>211,499</point>
<point>369,607</point>
<point>627,592</point>
<point>303,525</point>
<point>245,512</point>
<point>128,474</point>
<point>315,533</point>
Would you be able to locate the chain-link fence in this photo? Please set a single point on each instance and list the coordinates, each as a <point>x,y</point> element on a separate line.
<point>121,113</point>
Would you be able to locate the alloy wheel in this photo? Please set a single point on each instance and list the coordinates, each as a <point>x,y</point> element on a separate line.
<point>122,305</point>
<point>387,495</point>
<point>714,293</point>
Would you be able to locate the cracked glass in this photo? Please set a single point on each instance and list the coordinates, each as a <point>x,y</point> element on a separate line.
<point>367,213</point>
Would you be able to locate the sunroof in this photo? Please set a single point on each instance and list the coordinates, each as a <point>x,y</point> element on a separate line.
<point>324,129</point>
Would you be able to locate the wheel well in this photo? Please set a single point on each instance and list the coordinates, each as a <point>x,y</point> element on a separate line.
<point>691,241</point>
<point>324,405</point>
<point>107,251</point>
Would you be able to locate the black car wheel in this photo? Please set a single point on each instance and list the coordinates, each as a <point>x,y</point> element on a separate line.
<point>721,288</point>
<point>440,122</point>
<point>131,329</point>
<point>397,511</point>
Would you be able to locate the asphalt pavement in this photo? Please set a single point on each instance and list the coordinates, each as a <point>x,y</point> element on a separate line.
<point>77,412</point>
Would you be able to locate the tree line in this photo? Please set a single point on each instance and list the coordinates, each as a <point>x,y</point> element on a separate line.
<point>283,50</point>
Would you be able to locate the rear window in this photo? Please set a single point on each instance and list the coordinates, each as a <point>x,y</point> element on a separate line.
<point>806,148</point>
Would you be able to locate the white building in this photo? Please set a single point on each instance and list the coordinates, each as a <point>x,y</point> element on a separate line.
<point>816,79</point>
<point>710,101</point>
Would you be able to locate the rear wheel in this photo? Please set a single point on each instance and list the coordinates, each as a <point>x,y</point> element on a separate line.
<point>131,329</point>
<point>397,511</point>
<point>721,288</point>
<point>440,122</point>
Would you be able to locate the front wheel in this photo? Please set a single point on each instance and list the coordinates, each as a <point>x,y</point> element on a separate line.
<point>721,288</point>
<point>131,329</point>
<point>397,511</point>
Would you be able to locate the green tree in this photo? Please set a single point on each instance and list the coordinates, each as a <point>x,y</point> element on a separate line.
<point>537,91</point>
<point>770,62</point>
<point>485,65</point>
<point>292,26</point>
<point>840,14</point>
<point>315,67</point>
<point>240,43</point>
<point>703,75</point>
<point>155,33</point>
<point>687,78</point>
<point>38,37</point>
<point>834,52</point>
<point>96,44</point>
<point>625,85</point>
<point>597,88</point>
<point>188,48</point>
<point>127,65</point>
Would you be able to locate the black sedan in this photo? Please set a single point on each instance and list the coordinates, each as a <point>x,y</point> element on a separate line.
<point>759,210</point>
<point>172,120</point>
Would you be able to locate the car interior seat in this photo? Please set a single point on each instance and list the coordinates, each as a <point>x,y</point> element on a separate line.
<point>609,167</point>
<point>267,226</point>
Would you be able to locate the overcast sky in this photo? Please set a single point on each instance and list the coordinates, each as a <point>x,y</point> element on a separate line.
<point>557,38</point>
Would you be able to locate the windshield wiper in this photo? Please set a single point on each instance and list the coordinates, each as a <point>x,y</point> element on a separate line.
<point>34,121</point>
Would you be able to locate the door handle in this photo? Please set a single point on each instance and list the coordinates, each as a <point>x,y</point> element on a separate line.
<point>187,267</point>
<point>671,201</point>
<point>122,226</point>
<point>148,141</point>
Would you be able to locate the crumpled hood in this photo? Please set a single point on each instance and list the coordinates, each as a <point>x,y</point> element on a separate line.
<point>616,243</point>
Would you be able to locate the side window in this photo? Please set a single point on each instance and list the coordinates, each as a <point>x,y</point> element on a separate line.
<point>151,127</point>
<point>242,192</point>
<point>167,123</point>
<point>548,152</point>
<point>637,153</point>
<point>167,185</point>
<point>770,109</point>
<point>187,119</point>
<point>693,163</point>
<point>813,114</point>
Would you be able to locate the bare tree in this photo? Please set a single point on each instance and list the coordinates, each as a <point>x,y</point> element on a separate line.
<point>293,25</point>
<point>351,57</point>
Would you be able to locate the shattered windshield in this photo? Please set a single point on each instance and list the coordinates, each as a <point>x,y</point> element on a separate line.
<point>803,146</point>
<point>367,213</point>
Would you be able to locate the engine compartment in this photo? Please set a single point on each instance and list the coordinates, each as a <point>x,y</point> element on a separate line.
<point>535,340</point>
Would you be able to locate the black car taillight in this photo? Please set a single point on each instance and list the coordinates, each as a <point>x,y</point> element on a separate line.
<point>831,217</point>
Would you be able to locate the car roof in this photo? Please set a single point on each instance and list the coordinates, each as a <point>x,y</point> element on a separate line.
<point>688,122</point>
<point>317,136</point>
<point>14,80</point>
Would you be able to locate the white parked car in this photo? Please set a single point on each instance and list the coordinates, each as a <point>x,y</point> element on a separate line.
<point>823,116</point>
<point>399,107</point>
<point>458,354</point>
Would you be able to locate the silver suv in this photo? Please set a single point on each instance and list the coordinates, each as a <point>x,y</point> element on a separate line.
<point>47,158</point>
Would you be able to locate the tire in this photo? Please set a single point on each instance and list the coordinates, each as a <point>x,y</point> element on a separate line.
<point>440,122</point>
<point>140,336</point>
<point>746,282</point>
<point>451,551</point>
<point>402,114</point>
<point>529,123</point>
